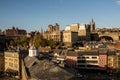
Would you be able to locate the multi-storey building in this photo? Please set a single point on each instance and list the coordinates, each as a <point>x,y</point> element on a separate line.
<point>113,59</point>
<point>56,36</point>
<point>84,30</point>
<point>74,27</point>
<point>53,33</point>
<point>70,37</point>
<point>83,59</point>
<point>103,58</point>
<point>95,56</point>
<point>71,59</point>
<point>14,32</point>
<point>12,62</point>
<point>88,59</point>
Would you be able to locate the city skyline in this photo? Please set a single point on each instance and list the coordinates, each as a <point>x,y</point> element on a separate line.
<point>36,14</point>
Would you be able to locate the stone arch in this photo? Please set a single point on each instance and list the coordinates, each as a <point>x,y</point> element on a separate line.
<point>106,38</point>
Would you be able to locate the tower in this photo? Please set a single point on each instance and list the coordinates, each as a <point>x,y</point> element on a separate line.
<point>57,27</point>
<point>88,37</point>
<point>92,25</point>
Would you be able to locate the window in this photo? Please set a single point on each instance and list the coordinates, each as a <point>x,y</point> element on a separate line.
<point>94,57</point>
<point>92,66</point>
<point>16,65</point>
<point>81,61</point>
<point>87,57</point>
<point>92,61</point>
<point>83,57</point>
<point>11,64</point>
<point>15,56</point>
<point>109,64</point>
<point>10,59</point>
<point>15,60</point>
<point>81,65</point>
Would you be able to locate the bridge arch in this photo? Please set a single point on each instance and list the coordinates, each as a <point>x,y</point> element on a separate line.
<point>106,38</point>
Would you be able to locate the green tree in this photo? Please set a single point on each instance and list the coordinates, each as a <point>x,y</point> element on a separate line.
<point>24,41</point>
<point>20,41</point>
<point>38,41</point>
<point>51,43</point>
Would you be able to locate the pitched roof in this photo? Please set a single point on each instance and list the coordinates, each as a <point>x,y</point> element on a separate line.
<point>29,61</point>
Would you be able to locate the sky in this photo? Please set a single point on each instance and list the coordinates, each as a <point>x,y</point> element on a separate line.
<point>32,15</point>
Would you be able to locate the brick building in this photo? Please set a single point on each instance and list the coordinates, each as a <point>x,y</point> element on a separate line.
<point>14,32</point>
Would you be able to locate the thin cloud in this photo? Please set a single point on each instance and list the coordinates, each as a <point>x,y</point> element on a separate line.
<point>118,2</point>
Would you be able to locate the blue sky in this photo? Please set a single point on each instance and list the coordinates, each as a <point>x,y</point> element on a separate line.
<point>36,14</point>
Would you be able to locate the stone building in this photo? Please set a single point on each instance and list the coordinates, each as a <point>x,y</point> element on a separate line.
<point>92,25</point>
<point>84,30</point>
<point>70,37</point>
<point>52,28</point>
<point>74,27</point>
<point>113,60</point>
<point>53,33</point>
<point>12,62</point>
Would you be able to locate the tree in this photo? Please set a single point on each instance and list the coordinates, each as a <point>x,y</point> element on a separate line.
<point>38,41</point>
<point>51,43</point>
<point>20,42</point>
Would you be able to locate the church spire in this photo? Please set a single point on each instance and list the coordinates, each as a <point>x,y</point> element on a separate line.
<point>92,20</point>
<point>92,25</point>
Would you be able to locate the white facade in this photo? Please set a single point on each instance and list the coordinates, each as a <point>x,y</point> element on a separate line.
<point>88,61</point>
<point>67,28</point>
<point>32,51</point>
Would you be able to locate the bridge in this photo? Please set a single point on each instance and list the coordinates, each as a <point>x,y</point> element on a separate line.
<point>114,35</point>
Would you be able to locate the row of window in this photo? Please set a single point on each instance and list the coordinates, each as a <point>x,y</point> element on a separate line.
<point>87,65</point>
<point>12,56</point>
<point>13,65</point>
<point>10,59</point>
<point>87,57</point>
<point>54,36</point>
<point>88,61</point>
<point>65,36</point>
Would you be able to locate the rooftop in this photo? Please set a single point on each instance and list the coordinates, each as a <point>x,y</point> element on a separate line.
<point>44,69</point>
